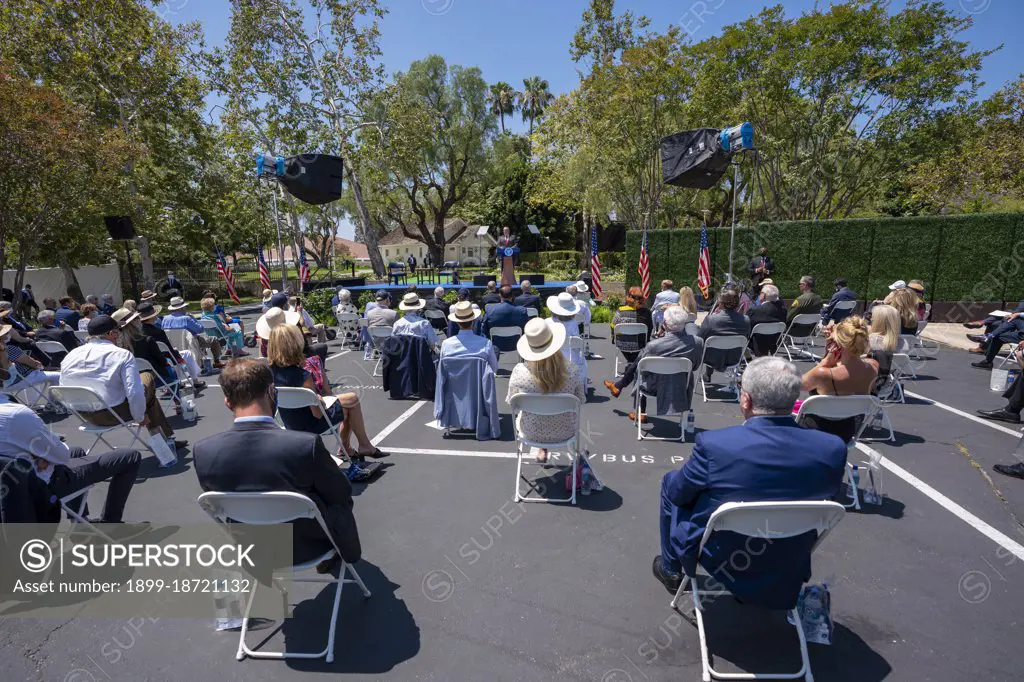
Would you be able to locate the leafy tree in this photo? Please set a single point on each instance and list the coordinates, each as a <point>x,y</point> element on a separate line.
<point>503,98</point>
<point>534,99</point>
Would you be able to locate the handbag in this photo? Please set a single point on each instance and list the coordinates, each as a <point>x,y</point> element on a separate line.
<point>159,447</point>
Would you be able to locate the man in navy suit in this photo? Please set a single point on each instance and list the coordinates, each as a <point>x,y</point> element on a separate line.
<point>505,314</point>
<point>842,293</point>
<point>768,457</point>
<point>528,299</point>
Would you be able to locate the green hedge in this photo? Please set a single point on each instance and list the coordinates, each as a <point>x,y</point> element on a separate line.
<point>960,258</point>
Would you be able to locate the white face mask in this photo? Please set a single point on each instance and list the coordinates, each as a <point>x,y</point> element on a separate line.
<point>46,474</point>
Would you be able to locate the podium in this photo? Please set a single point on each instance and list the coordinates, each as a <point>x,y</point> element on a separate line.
<point>507,256</point>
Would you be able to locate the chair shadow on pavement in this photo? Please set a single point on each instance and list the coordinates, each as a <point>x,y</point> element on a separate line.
<point>373,636</point>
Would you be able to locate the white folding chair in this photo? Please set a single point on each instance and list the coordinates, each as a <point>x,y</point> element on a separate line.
<point>35,390</point>
<point>146,366</point>
<point>548,405</point>
<point>210,327</point>
<point>378,334</point>
<point>723,344</point>
<point>531,312</point>
<point>78,399</point>
<point>51,348</point>
<point>765,329</point>
<point>802,330</point>
<point>844,307</point>
<point>661,366</point>
<point>74,506</point>
<point>769,521</point>
<point>507,333</point>
<point>837,407</point>
<point>345,320</point>
<point>632,329</point>
<point>83,336</point>
<point>184,380</point>
<point>303,399</point>
<point>269,508</point>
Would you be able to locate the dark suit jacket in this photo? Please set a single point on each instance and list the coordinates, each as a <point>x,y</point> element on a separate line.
<point>504,315</point>
<point>157,334</point>
<point>260,457</point>
<point>766,458</point>
<point>67,316</point>
<point>767,312</point>
<point>725,323</point>
<point>755,263</point>
<point>440,305</point>
<point>528,301</point>
<point>64,336</point>
<point>490,298</point>
<point>511,241</point>
<point>827,313</point>
<point>27,498</point>
<point>145,347</point>
<point>409,369</point>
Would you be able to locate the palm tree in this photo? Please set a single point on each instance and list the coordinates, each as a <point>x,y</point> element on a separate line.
<point>503,101</point>
<point>534,99</point>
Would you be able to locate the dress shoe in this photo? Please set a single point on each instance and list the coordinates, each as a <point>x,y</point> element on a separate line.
<point>643,417</point>
<point>671,581</point>
<point>615,390</point>
<point>977,338</point>
<point>974,325</point>
<point>982,364</point>
<point>1015,470</point>
<point>1002,415</point>
<point>179,444</point>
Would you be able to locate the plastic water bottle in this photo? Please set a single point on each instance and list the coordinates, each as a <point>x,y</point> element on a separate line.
<point>691,424</point>
<point>854,481</point>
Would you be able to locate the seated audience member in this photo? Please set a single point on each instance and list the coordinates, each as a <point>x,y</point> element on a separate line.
<point>581,293</point>
<point>133,338</point>
<point>545,370</point>
<point>287,361</point>
<point>745,302</point>
<point>130,304</point>
<point>843,371</point>
<point>22,370</point>
<point>884,341</point>
<point>438,304</point>
<point>905,302</point>
<point>381,315</point>
<point>48,331</point>
<point>491,295</point>
<point>147,295</point>
<point>688,301</point>
<point>505,314</point>
<point>917,286</point>
<point>842,293</point>
<point>990,323</point>
<point>461,295</point>
<point>68,313</point>
<point>767,458</point>
<point>106,306</point>
<point>769,311</point>
<point>38,470</point>
<point>413,322</point>
<point>674,343</point>
<point>807,302</point>
<point>529,298</point>
<point>148,314</point>
<point>111,371</point>
<point>466,342</point>
<point>348,331</point>
<point>309,325</point>
<point>267,295</point>
<point>180,319</point>
<point>88,311</point>
<point>267,322</point>
<point>666,297</point>
<point>50,303</point>
<point>255,455</point>
<point>234,339</point>
<point>1010,331</point>
<point>1011,413</point>
<point>91,299</point>
<point>565,310</point>
<point>633,310</point>
<point>20,326</point>
<point>727,321</point>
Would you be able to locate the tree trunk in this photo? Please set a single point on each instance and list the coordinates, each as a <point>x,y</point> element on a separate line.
<point>19,283</point>
<point>148,279</point>
<point>74,289</point>
<point>584,259</point>
<point>369,233</point>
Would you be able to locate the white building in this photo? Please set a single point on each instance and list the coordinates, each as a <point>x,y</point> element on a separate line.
<point>462,244</point>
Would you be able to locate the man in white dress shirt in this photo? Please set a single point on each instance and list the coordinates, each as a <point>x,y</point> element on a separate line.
<point>413,324</point>
<point>111,371</point>
<point>466,343</point>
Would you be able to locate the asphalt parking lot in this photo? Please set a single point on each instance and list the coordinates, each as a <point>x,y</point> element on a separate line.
<point>468,585</point>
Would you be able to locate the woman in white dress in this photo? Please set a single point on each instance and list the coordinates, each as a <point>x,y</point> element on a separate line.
<point>545,370</point>
<point>564,309</point>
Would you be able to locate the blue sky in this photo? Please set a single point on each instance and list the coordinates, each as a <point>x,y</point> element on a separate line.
<point>513,39</point>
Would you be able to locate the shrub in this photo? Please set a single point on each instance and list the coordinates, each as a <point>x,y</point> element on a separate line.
<point>318,304</point>
<point>600,314</point>
<point>613,301</point>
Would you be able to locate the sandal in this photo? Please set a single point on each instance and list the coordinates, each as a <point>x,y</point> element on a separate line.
<point>376,454</point>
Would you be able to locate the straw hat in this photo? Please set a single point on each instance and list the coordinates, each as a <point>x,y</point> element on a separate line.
<point>898,284</point>
<point>147,311</point>
<point>274,317</point>
<point>149,295</point>
<point>177,303</point>
<point>541,339</point>
<point>124,317</point>
<point>563,304</point>
<point>767,280</point>
<point>915,286</point>
<point>5,329</point>
<point>581,287</point>
<point>411,301</point>
<point>463,311</point>
<point>267,293</point>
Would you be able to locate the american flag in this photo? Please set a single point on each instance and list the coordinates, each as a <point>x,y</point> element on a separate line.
<point>264,270</point>
<point>704,263</point>
<point>595,264</point>
<point>223,270</point>
<point>644,268</point>
<point>304,275</point>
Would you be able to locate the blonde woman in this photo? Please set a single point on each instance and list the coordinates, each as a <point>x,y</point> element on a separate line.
<point>545,370</point>
<point>287,360</point>
<point>905,302</point>
<point>688,301</point>
<point>885,329</point>
<point>232,337</point>
<point>843,371</point>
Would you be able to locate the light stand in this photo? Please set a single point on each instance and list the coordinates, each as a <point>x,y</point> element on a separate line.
<point>735,193</point>
<point>131,268</point>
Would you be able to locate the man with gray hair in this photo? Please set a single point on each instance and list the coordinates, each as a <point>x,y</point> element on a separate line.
<point>807,301</point>
<point>769,311</point>
<point>492,294</point>
<point>438,304</point>
<point>767,458</point>
<point>675,343</point>
<point>529,298</point>
<point>49,331</point>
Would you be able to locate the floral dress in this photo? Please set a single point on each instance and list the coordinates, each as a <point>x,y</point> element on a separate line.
<point>544,428</point>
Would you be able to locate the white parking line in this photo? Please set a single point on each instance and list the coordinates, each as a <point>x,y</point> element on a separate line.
<point>338,355</point>
<point>949,505</point>
<point>453,453</point>
<point>949,408</point>
<point>398,422</point>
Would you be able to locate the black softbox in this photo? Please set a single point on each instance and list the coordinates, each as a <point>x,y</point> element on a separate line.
<point>693,158</point>
<point>313,178</point>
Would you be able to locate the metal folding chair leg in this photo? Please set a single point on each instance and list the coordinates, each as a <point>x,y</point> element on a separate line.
<point>520,478</point>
